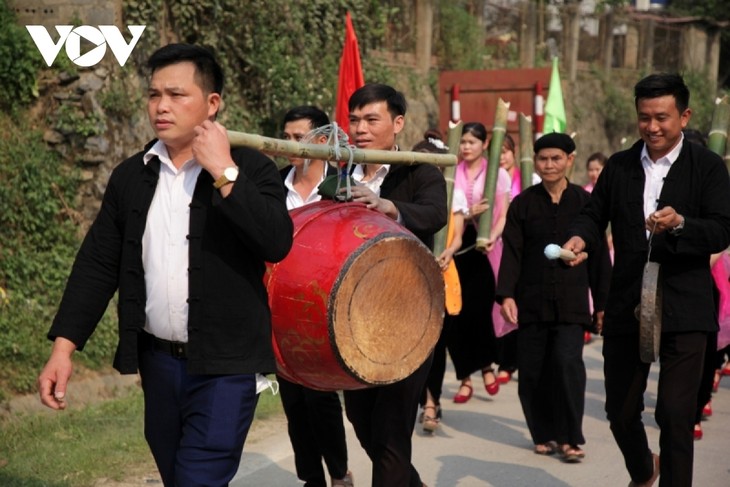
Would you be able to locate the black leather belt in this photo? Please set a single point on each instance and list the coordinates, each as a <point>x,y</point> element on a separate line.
<point>175,349</point>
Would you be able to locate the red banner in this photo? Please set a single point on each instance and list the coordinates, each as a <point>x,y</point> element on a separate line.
<point>351,77</point>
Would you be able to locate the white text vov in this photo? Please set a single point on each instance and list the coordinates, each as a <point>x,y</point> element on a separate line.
<point>70,36</point>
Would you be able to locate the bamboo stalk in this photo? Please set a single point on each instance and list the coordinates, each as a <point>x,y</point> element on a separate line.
<point>278,147</point>
<point>439,242</point>
<point>717,139</point>
<point>490,182</point>
<point>526,151</point>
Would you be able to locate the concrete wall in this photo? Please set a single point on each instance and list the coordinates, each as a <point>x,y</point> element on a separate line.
<point>58,12</point>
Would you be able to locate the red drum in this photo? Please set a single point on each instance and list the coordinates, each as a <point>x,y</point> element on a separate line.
<point>358,302</point>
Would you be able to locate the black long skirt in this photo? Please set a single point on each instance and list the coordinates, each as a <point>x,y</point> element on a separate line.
<point>470,335</point>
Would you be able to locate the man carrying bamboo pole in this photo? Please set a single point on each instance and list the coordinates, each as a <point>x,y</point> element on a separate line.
<point>384,416</point>
<point>315,426</point>
<point>183,234</point>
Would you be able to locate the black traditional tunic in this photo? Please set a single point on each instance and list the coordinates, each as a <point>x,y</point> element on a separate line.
<point>552,304</point>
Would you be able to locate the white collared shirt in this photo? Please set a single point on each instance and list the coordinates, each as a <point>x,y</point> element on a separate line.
<point>373,184</point>
<point>294,199</point>
<point>655,172</point>
<point>165,247</point>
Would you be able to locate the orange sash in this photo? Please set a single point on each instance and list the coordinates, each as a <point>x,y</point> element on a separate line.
<point>451,278</point>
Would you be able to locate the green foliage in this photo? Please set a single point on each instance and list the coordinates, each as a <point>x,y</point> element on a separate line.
<point>460,42</point>
<point>37,246</point>
<point>39,240</point>
<point>617,107</point>
<point>712,9</point>
<point>19,61</point>
<point>275,54</point>
<point>121,99</point>
<point>701,100</point>
<point>602,4</point>
<point>71,119</point>
<point>619,111</point>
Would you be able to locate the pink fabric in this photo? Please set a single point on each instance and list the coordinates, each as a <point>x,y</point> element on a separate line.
<point>498,207</point>
<point>588,187</point>
<point>516,183</point>
<point>461,182</point>
<point>721,272</point>
<point>501,327</point>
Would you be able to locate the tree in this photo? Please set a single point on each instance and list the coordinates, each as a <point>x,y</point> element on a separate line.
<point>717,11</point>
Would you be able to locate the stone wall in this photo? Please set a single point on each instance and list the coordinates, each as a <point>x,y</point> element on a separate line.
<point>91,138</point>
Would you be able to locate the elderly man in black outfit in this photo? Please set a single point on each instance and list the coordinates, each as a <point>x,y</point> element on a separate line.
<point>667,201</point>
<point>549,301</point>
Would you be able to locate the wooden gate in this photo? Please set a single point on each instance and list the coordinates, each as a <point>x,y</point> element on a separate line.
<point>480,90</point>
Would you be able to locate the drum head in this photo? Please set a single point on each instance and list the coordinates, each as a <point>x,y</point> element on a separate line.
<point>386,309</point>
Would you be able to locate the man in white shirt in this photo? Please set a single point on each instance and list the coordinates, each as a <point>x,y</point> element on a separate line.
<point>667,202</point>
<point>415,196</point>
<point>183,234</point>
<point>315,425</point>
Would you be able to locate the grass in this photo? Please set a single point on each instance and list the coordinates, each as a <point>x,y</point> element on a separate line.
<point>75,448</point>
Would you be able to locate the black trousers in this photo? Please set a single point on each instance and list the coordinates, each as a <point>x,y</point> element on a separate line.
<point>437,372</point>
<point>316,430</point>
<point>552,381</point>
<point>507,352</point>
<point>681,357</point>
<point>383,418</point>
<point>708,375</point>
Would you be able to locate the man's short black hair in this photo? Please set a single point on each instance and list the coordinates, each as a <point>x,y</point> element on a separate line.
<point>374,93</point>
<point>663,84</point>
<point>316,117</point>
<point>208,72</point>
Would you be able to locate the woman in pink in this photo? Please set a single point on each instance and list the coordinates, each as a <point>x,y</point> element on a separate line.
<point>470,335</point>
<point>506,340</point>
<point>594,166</point>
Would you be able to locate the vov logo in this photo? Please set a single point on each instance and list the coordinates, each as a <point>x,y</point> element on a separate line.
<point>70,36</point>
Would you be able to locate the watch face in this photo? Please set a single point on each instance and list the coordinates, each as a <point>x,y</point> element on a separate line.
<point>231,173</point>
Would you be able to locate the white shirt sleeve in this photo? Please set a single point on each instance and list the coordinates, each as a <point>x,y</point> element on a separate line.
<point>458,202</point>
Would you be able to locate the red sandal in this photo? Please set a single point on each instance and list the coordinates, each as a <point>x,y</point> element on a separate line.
<point>462,398</point>
<point>493,388</point>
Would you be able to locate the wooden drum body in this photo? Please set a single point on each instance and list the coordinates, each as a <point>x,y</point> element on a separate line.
<point>358,302</point>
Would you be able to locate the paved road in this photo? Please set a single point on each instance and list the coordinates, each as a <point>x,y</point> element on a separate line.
<point>485,443</point>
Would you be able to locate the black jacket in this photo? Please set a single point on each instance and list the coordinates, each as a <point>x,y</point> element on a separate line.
<point>229,326</point>
<point>419,193</point>
<point>549,290</point>
<point>697,187</point>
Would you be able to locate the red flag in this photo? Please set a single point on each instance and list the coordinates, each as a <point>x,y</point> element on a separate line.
<point>351,77</point>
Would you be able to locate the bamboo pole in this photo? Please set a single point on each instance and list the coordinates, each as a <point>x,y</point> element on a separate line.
<point>439,242</point>
<point>717,139</point>
<point>526,151</point>
<point>278,147</point>
<point>490,182</point>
